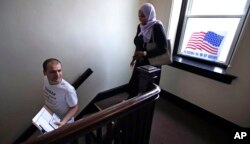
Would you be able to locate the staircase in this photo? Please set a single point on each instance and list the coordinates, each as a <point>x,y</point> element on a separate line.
<point>111,119</point>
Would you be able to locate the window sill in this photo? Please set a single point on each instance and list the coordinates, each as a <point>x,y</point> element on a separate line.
<point>212,72</point>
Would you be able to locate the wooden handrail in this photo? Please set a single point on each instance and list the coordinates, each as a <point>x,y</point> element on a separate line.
<point>92,122</point>
<point>82,78</point>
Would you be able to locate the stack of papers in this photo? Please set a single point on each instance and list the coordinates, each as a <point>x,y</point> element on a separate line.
<point>45,121</point>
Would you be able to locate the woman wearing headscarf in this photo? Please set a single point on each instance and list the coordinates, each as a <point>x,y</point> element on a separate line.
<point>148,30</point>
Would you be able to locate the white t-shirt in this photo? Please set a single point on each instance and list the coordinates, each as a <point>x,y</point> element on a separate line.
<point>60,97</point>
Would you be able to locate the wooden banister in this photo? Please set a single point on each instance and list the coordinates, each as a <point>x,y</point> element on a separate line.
<point>121,114</point>
<point>82,78</point>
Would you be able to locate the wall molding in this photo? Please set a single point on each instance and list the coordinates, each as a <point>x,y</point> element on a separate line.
<point>204,114</point>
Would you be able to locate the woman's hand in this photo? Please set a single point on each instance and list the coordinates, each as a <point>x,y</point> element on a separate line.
<point>132,63</point>
<point>139,54</point>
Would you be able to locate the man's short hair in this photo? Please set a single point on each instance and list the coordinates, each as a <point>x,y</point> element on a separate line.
<point>45,63</point>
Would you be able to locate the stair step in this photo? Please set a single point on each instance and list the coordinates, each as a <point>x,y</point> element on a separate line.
<point>103,104</point>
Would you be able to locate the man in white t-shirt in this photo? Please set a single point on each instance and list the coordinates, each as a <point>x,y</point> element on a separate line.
<point>60,96</point>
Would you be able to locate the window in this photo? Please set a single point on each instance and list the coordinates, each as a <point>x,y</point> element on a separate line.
<point>207,32</point>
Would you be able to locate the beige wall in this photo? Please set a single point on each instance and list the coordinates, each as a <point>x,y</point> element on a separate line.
<point>81,33</point>
<point>98,35</point>
<point>162,8</point>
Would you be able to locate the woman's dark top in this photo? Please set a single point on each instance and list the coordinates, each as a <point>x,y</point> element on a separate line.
<point>160,40</point>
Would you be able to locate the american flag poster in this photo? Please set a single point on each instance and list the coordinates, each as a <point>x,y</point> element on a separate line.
<point>204,45</point>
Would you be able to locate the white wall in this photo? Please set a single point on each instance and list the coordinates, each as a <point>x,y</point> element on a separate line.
<point>229,101</point>
<point>81,33</point>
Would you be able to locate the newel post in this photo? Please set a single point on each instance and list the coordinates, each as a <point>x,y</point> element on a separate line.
<point>147,75</point>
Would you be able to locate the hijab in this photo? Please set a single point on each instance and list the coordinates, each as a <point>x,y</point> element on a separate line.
<point>150,14</point>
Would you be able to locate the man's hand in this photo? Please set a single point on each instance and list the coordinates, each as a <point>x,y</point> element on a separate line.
<point>60,123</point>
<point>72,111</point>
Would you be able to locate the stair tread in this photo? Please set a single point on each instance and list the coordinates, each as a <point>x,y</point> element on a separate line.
<point>111,101</point>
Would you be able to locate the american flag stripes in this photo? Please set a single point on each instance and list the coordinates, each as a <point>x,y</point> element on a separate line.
<point>205,41</point>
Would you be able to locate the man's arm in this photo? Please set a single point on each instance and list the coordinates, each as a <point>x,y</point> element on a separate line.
<point>48,109</point>
<point>72,111</point>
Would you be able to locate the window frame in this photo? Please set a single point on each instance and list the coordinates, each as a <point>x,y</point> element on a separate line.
<point>210,69</point>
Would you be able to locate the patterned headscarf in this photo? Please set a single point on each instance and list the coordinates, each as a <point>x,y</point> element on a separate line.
<point>149,12</point>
